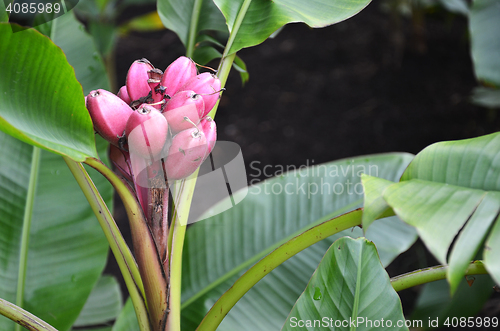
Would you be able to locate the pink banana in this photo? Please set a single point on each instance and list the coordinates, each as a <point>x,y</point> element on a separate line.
<point>177,74</point>
<point>184,104</point>
<point>210,130</point>
<point>123,94</point>
<point>137,79</point>
<point>109,114</point>
<point>186,153</point>
<point>146,132</point>
<point>208,86</point>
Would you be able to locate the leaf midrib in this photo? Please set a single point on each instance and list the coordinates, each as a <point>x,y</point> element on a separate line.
<point>27,218</point>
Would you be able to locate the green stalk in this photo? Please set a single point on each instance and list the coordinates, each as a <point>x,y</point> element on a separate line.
<point>427,275</point>
<point>183,196</point>
<point>195,16</point>
<point>222,73</point>
<point>23,318</point>
<point>228,58</point>
<point>121,251</point>
<point>150,266</point>
<point>25,235</point>
<point>220,309</point>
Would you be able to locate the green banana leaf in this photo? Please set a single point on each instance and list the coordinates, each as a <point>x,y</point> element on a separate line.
<point>103,305</point>
<point>41,101</point>
<point>265,17</point>
<point>219,249</point>
<point>350,290</point>
<point>80,50</point>
<point>4,16</point>
<point>67,249</point>
<point>176,15</point>
<point>450,188</point>
<point>484,23</point>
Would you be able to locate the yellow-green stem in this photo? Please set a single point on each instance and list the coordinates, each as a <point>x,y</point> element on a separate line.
<point>432,274</point>
<point>183,194</point>
<point>121,251</point>
<point>24,318</point>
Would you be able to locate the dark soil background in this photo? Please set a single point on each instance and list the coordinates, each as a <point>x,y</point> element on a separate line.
<point>375,83</point>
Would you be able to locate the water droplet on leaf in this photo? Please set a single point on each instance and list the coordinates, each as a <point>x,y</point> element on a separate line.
<point>317,294</point>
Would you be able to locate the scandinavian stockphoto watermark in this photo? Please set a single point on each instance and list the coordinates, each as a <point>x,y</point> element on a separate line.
<point>309,179</point>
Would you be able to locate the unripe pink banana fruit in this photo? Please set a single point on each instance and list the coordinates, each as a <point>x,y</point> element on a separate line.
<point>123,94</point>
<point>146,132</point>
<point>137,79</point>
<point>109,114</point>
<point>184,104</point>
<point>210,130</point>
<point>208,86</point>
<point>186,153</point>
<point>177,74</point>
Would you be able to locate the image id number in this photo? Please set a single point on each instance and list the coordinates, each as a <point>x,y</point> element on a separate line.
<point>33,8</point>
<point>471,322</point>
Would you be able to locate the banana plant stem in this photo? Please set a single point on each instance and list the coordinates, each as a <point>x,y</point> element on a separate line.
<point>220,309</point>
<point>148,260</point>
<point>427,275</point>
<point>228,58</point>
<point>123,256</point>
<point>183,195</point>
<point>28,214</point>
<point>24,318</point>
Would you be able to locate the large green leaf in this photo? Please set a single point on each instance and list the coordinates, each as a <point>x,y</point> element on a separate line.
<point>103,305</point>
<point>80,50</point>
<point>374,204</point>
<point>219,249</point>
<point>349,288</point>
<point>265,17</point>
<point>452,187</point>
<point>41,102</point>
<point>484,23</point>
<point>176,15</point>
<point>438,211</point>
<point>66,249</point>
<point>4,16</point>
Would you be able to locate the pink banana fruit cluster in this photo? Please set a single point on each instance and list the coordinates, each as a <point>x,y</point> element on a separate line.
<point>158,121</point>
